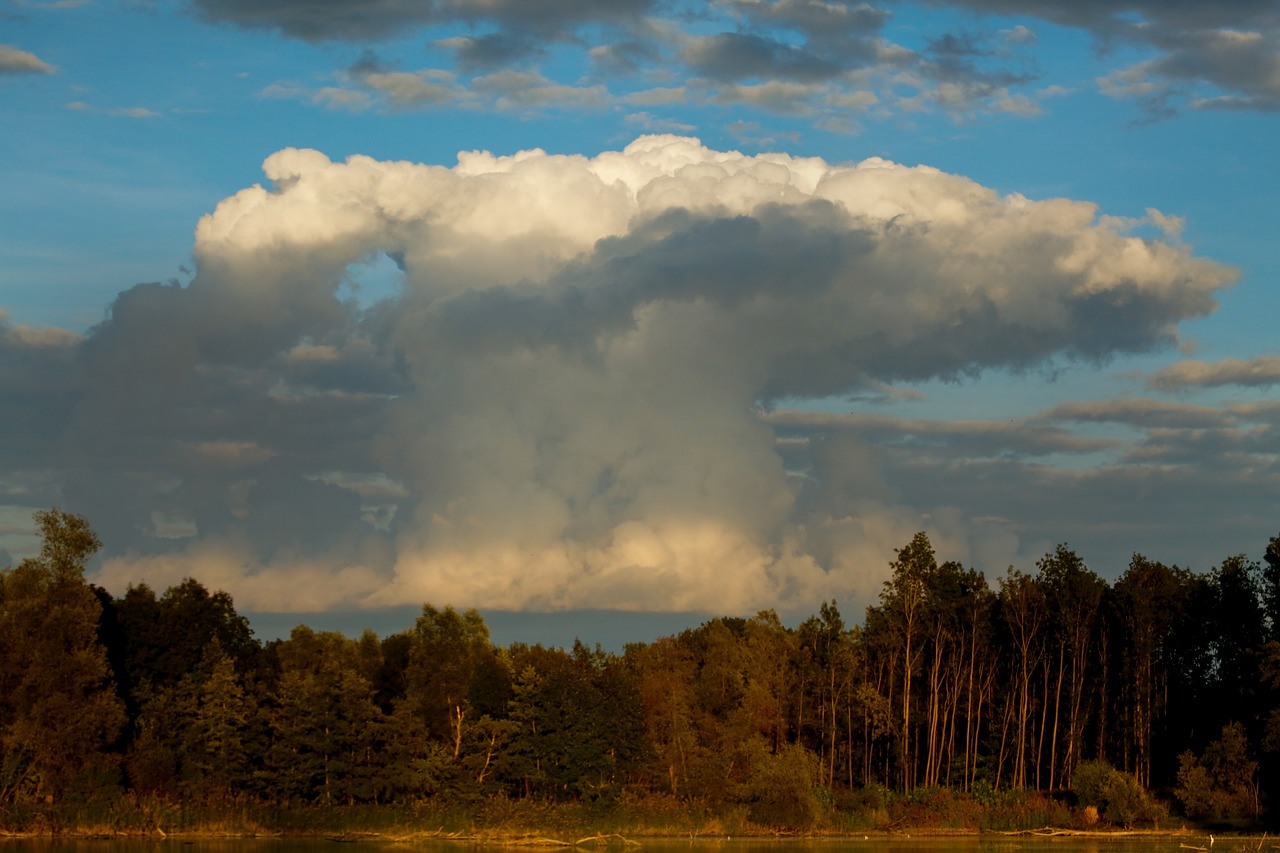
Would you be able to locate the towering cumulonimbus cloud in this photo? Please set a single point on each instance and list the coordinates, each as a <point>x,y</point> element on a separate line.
<point>566,401</point>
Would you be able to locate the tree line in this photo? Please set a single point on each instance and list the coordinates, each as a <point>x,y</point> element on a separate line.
<point>1166,680</point>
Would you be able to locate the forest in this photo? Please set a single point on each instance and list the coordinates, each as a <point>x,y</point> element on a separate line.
<point>1153,697</point>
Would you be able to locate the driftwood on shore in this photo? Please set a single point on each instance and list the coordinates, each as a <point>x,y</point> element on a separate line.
<point>592,840</point>
<point>608,839</point>
<point>1054,832</point>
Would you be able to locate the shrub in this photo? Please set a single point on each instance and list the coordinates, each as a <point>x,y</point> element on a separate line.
<point>937,807</point>
<point>1117,796</point>
<point>1019,810</point>
<point>1222,783</point>
<point>785,793</point>
<point>1195,787</point>
<point>862,808</point>
<point>1089,782</point>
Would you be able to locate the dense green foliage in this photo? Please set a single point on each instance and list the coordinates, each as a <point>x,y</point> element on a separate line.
<point>953,691</point>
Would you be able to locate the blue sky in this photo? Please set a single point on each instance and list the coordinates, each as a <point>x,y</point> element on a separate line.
<point>701,352</point>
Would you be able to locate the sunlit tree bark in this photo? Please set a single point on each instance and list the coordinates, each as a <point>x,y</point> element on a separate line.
<point>1022,610</point>
<point>1073,596</point>
<point>902,602</point>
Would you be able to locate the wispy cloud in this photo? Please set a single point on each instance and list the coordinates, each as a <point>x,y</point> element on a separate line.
<point>121,112</point>
<point>1261,371</point>
<point>14,61</point>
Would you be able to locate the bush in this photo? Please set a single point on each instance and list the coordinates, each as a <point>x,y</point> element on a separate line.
<point>862,808</point>
<point>937,807</point>
<point>1089,782</point>
<point>785,793</point>
<point>1221,784</point>
<point>1195,788</point>
<point>1117,796</point>
<point>1009,810</point>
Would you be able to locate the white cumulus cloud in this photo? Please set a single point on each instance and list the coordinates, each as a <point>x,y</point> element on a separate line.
<point>566,402</point>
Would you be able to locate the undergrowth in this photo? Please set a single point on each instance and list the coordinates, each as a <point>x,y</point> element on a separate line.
<point>873,809</point>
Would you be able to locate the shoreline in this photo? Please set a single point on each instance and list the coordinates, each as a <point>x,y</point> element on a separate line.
<point>532,838</point>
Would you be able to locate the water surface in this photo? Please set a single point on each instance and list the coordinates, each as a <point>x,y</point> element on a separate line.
<point>871,844</point>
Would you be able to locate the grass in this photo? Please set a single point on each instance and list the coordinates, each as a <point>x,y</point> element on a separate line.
<point>875,810</point>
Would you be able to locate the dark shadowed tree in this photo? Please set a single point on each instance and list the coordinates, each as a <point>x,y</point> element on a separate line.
<point>391,680</point>
<point>1157,637</point>
<point>328,735</point>
<point>664,672</point>
<point>1073,599</point>
<point>164,638</point>
<point>1271,586</point>
<point>1235,632</point>
<point>578,724</point>
<point>217,743</point>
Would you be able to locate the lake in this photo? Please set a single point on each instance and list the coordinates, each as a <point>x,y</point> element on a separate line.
<point>893,844</point>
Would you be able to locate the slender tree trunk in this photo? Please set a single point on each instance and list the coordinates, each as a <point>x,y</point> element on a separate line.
<point>1074,728</point>
<point>1004,736</point>
<point>970,714</point>
<point>456,720</point>
<point>1104,677</point>
<point>1024,713</point>
<point>907,774</point>
<point>1043,727</point>
<point>932,761</point>
<point>831,750</point>
<point>1057,705</point>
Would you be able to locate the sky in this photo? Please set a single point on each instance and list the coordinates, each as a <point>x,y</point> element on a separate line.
<point>602,316</point>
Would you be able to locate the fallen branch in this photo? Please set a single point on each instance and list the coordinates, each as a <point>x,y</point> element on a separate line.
<point>605,839</point>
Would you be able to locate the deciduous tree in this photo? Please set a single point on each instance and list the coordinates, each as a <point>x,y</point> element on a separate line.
<point>59,712</point>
